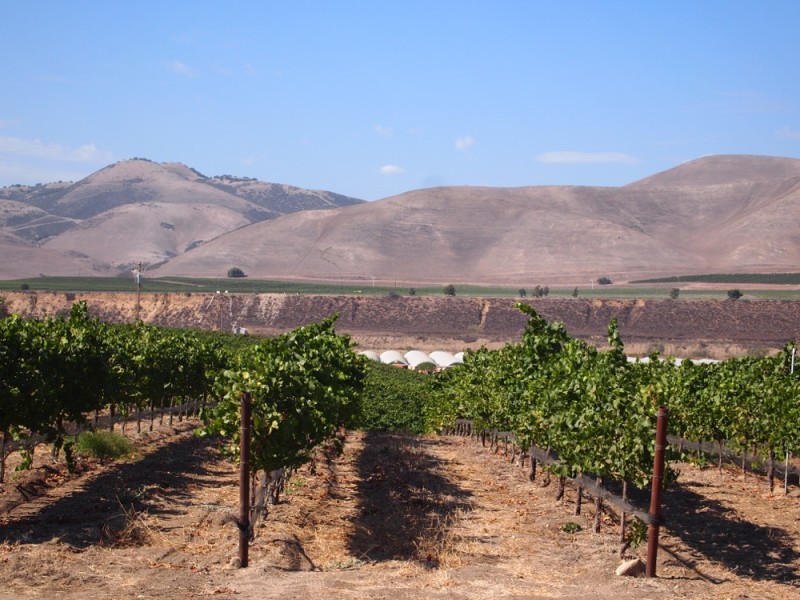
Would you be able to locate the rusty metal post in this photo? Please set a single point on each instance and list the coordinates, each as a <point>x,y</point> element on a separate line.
<point>655,491</point>
<point>244,480</point>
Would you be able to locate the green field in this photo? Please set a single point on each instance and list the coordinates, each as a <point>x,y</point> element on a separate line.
<point>731,278</point>
<point>644,290</point>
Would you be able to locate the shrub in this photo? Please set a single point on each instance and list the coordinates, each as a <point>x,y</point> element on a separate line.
<point>734,294</point>
<point>236,272</point>
<point>604,281</point>
<point>571,527</point>
<point>103,444</point>
<point>450,290</point>
<point>540,291</point>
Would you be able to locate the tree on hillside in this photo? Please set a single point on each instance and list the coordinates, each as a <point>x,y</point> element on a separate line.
<point>522,293</point>
<point>604,281</point>
<point>674,293</point>
<point>450,290</point>
<point>236,272</point>
<point>540,291</point>
<point>575,293</point>
<point>734,294</point>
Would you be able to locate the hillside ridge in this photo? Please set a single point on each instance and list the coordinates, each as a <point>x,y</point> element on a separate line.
<point>726,213</point>
<point>135,211</point>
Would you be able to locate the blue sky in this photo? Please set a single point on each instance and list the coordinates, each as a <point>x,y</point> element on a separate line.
<point>373,98</point>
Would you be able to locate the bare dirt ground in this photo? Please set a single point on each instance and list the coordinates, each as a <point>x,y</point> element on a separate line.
<point>393,516</point>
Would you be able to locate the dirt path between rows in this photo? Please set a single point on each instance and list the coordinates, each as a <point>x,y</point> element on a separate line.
<point>393,516</point>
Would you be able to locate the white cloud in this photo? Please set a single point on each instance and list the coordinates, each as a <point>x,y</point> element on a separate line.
<point>384,132</point>
<point>585,157</point>
<point>789,134</point>
<point>180,68</point>
<point>88,153</point>
<point>390,170</point>
<point>33,161</point>
<point>465,143</point>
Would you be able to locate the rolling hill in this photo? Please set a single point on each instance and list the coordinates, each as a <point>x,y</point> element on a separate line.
<point>135,210</point>
<point>690,219</point>
<point>714,214</point>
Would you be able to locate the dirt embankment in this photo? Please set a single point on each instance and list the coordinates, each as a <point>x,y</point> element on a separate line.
<point>681,327</point>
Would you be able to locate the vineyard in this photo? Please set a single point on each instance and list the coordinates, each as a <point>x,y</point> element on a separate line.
<point>597,410</point>
<point>581,414</point>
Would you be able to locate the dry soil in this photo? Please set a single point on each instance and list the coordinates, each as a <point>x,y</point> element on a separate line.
<point>392,516</point>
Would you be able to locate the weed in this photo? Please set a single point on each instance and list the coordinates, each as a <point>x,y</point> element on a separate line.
<point>103,444</point>
<point>636,534</point>
<point>127,496</point>
<point>294,484</point>
<point>701,462</point>
<point>571,527</point>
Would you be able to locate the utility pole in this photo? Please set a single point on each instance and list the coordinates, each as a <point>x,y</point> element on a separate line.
<point>138,290</point>
<point>221,307</point>
<point>220,311</point>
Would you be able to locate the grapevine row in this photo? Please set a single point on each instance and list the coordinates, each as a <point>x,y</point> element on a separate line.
<point>596,410</point>
<point>57,371</point>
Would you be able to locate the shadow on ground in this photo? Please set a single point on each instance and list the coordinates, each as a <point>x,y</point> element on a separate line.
<point>715,534</point>
<point>405,501</point>
<point>82,518</point>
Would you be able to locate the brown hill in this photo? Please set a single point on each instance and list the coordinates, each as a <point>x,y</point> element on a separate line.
<point>723,169</point>
<point>139,210</point>
<point>714,214</point>
<point>535,235</point>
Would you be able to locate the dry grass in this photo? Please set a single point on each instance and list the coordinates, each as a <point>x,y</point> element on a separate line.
<point>398,517</point>
<point>442,546</point>
<point>128,528</point>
